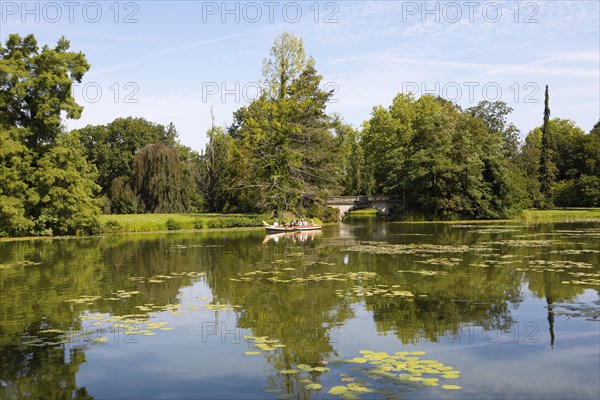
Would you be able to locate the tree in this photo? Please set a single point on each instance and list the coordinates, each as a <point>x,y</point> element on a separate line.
<point>65,183</point>
<point>112,147</point>
<point>290,157</point>
<point>157,180</point>
<point>47,184</point>
<point>441,161</point>
<point>494,115</point>
<point>357,178</point>
<point>568,159</point>
<point>16,195</point>
<point>35,87</point>
<point>546,175</point>
<point>286,63</point>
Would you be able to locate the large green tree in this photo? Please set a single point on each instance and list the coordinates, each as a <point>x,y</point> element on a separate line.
<point>65,183</point>
<point>288,147</point>
<point>113,147</point>
<point>572,160</point>
<point>17,197</point>
<point>158,180</point>
<point>36,87</point>
<point>440,160</point>
<point>47,184</point>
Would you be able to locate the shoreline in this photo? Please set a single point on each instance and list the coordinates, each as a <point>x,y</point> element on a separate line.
<point>128,224</point>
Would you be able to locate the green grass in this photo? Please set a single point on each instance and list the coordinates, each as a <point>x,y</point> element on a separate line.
<point>562,214</point>
<point>162,222</point>
<point>366,211</point>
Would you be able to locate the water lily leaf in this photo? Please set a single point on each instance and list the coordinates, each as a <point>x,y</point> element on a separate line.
<point>313,386</point>
<point>289,371</point>
<point>252,353</point>
<point>337,390</point>
<point>321,369</point>
<point>451,387</point>
<point>356,387</point>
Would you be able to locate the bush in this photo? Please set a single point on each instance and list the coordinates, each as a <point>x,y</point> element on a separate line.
<point>112,226</point>
<point>324,213</point>
<point>173,225</point>
<point>200,223</point>
<point>233,222</point>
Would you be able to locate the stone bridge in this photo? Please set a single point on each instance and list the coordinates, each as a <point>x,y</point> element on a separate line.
<point>345,204</point>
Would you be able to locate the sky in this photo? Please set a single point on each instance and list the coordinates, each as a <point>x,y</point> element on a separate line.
<point>171,61</point>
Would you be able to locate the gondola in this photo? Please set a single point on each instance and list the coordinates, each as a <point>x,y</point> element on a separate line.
<point>282,229</point>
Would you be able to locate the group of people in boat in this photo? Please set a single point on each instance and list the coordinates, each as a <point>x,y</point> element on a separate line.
<point>301,222</point>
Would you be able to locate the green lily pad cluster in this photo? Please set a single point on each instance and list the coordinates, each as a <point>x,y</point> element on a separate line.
<point>404,370</point>
<point>424,272</point>
<point>524,243</point>
<point>413,248</point>
<point>97,326</point>
<point>588,311</point>
<point>285,276</point>
<point>394,291</point>
<point>572,268</point>
<point>263,343</point>
<point>445,262</point>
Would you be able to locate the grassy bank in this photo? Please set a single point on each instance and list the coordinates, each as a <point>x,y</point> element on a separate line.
<point>561,214</point>
<point>553,215</point>
<point>126,223</point>
<point>163,222</point>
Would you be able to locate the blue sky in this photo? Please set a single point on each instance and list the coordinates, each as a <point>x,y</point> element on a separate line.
<point>172,60</point>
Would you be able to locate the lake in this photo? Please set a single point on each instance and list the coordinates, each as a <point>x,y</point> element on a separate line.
<point>364,309</point>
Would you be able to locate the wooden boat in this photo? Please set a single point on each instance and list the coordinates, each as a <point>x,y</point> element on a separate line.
<point>283,229</point>
<point>296,236</point>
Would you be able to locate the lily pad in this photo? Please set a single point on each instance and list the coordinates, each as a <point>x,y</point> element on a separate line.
<point>338,390</point>
<point>451,387</point>
<point>313,386</point>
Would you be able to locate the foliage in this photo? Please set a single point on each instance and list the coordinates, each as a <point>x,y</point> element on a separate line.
<point>35,87</point>
<point>112,147</point>
<point>546,173</point>
<point>173,225</point>
<point>440,160</point>
<point>573,159</point>
<point>288,154</point>
<point>65,183</point>
<point>157,180</point>
<point>123,200</point>
<point>357,179</point>
<point>47,184</point>
<point>16,195</point>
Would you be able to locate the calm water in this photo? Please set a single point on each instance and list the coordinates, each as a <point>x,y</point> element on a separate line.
<point>499,310</point>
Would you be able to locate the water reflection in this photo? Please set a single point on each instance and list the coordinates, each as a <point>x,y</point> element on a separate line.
<point>419,282</point>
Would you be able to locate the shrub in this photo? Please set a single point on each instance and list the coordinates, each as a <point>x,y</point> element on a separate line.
<point>112,226</point>
<point>173,225</point>
<point>200,224</point>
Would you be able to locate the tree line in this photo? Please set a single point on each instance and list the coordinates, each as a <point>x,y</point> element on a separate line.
<point>282,153</point>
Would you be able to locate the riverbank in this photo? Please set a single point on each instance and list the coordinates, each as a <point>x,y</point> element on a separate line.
<point>142,223</point>
<point>129,223</point>
<point>562,215</point>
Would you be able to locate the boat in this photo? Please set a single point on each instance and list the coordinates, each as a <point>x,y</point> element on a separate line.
<point>283,229</point>
<point>296,236</point>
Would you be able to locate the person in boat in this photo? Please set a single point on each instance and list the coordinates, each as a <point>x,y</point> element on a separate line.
<point>275,223</point>
<point>312,222</point>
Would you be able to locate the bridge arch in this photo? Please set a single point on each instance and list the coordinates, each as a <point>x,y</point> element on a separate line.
<point>345,204</point>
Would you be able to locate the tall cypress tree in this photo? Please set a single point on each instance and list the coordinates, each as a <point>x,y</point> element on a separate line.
<point>546,175</point>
